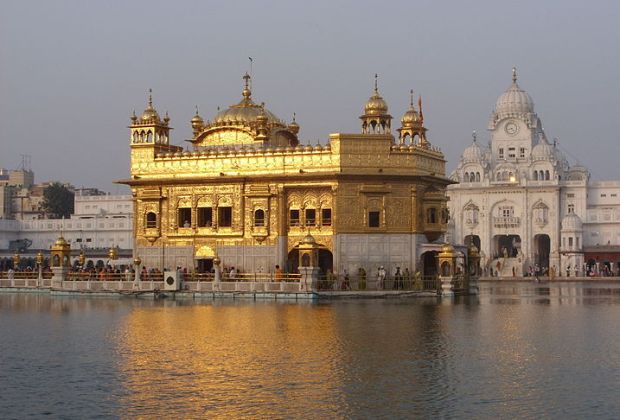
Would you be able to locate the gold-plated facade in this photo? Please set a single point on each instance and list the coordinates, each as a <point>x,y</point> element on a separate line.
<point>249,192</point>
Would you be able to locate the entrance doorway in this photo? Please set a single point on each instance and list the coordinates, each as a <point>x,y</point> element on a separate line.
<point>542,248</point>
<point>204,265</point>
<point>429,263</point>
<point>506,246</point>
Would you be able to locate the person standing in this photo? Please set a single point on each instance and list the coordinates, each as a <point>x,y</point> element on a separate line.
<point>398,279</point>
<point>279,273</point>
<point>380,278</point>
<point>361,273</point>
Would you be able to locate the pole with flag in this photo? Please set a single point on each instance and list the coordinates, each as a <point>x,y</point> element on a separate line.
<point>251,61</point>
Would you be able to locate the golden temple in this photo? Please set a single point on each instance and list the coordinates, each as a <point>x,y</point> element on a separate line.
<point>249,191</point>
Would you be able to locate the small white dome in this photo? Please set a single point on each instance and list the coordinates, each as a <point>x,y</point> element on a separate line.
<point>543,151</point>
<point>473,153</point>
<point>515,101</point>
<point>571,222</point>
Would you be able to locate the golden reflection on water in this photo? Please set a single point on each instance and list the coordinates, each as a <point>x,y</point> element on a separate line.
<point>229,360</point>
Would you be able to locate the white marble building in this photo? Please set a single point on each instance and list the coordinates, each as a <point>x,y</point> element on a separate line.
<point>98,222</point>
<point>522,204</point>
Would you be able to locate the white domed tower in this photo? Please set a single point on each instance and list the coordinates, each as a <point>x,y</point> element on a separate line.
<point>572,245</point>
<point>376,119</point>
<point>514,125</point>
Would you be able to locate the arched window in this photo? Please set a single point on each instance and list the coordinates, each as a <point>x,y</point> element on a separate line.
<point>431,215</point>
<point>149,137</point>
<point>547,175</point>
<point>477,176</point>
<point>541,175</point>
<point>151,220</point>
<point>466,177</point>
<point>471,214</point>
<point>535,175</point>
<point>259,217</point>
<point>135,136</point>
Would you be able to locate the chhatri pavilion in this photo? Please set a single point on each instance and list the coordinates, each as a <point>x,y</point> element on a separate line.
<point>249,191</point>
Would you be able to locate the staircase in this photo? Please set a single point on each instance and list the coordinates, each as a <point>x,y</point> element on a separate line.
<point>506,265</point>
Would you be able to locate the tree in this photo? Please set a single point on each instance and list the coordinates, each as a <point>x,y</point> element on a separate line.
<point>58,200</point>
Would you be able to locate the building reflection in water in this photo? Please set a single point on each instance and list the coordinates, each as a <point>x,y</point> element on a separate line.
<point>230,360</point>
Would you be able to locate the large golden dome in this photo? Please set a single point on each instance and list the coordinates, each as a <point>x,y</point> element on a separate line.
<point>244,123</point>
<point>245,112</point>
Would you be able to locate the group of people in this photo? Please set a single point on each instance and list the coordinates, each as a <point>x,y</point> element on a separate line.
<point>399,280</point>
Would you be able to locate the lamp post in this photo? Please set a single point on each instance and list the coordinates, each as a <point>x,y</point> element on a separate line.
<point>136,279</point>
<point>113,255</point>
<point>16,259</point>
<point>82,259</point>
<point>218,273</point>
<point>39,261</point>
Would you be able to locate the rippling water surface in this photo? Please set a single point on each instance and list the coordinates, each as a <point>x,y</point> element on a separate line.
<point>517,350</point>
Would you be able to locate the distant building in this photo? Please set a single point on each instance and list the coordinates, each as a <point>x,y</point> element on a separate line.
<point>523,205</point>
<point>14,184</point>
<point>99,222</point>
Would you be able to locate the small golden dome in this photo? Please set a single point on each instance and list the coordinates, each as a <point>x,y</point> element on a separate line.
<point>308,240</point>
<point>293,126</point>
<point>447,249</point>
<point>150,113</point>
<point>412,116</point>
<point>376,105</point>
<point>197,120</point>
<point>60,242</point>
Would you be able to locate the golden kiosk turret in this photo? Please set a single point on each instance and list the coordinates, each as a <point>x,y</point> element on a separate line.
<point>309,262</point>
<point>61,253</point>
<point>446,260</point>
<point>60,262</point>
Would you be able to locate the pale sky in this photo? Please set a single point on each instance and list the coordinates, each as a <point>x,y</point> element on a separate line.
<point>71,72</point>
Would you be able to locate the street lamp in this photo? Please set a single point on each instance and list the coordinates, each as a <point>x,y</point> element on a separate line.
<point>136,279</point>
<point>82,259</point>
<point>16,260</point>
<point>39,261</point>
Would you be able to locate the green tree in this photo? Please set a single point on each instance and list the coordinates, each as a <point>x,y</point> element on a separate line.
<point>58,201</point>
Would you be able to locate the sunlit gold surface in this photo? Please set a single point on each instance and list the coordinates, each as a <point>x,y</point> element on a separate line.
<point>247,159</point>
<point>230,361</point>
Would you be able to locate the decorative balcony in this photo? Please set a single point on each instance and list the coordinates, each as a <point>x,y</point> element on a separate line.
<point>506,222</point>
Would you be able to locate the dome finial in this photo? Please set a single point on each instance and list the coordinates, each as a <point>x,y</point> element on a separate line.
<point>376,86</point>
<point>246,89</point>
<point>411,99</point>
<point>514,75</point>
<point>150,98</point>
<point>196,109</point>
<point>294,116</point>
<point>474,135</point>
